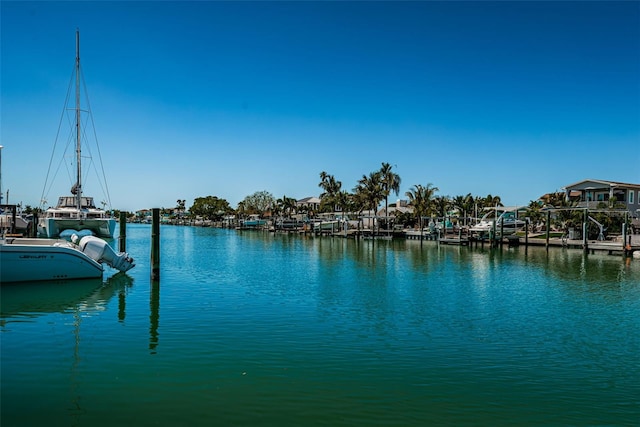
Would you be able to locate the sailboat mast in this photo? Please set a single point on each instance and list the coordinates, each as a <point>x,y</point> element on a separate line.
<point>78,131</point>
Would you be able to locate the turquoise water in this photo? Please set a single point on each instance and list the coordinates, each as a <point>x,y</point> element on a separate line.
<point>251,328</point>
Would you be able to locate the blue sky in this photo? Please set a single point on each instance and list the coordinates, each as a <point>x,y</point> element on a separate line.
<point>190,99</point>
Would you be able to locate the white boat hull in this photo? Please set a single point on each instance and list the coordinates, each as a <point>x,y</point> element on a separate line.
<point>327,225</point>
<point>52,227</point>
<point>6,222</point>
<point>30,260</point>
<point>44,259</point>
<point>507,228</point>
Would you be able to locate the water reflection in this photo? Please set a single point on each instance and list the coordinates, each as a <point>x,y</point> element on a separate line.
<point>154,316</point>
<point>23,301</point>
<point>281,330</point>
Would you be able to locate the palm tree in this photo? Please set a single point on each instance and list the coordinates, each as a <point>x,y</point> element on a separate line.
<point>492,201</point>
<point>458,202</point>
<point>276,209</point>
<point>180,206</point>
<point>464,204</point>
<point>369,190</point>
<point>343,200</point>
<point>289,205</point>
<point>241,209</point>
<point>390,182</point>
<point>421,199</point>
<point>331,188</point>
<point>441,205</point>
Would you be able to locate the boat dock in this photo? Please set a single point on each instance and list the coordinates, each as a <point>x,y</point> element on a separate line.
<point>464,238</point>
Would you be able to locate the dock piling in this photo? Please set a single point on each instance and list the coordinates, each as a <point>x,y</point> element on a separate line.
<point>547,227</point>
<point>155,245</point>
<point>585,230</point>
<point>122,244</point>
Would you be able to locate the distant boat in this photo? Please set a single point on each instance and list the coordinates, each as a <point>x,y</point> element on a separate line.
<point>254,221</point>
<point>326,224</point>
<point>30,260</point>
<point>76,211</point>
<point>13,221</point>
<point>329,221</point>
<point>504,218</point>
<point>288,224</point>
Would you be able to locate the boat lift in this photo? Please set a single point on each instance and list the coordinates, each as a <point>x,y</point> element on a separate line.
<point>601,234</point>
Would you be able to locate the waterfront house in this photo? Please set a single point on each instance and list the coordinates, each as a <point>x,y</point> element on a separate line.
<point>395,209</point>
<point>310,204</point>
<point>589,193</point>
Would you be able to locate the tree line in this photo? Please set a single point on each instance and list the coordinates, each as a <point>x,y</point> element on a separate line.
<point>374,188</point>
<point>367,195</point>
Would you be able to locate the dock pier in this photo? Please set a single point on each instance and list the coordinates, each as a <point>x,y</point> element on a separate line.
<point>627,244</point>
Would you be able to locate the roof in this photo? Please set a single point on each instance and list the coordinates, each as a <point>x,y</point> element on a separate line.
<point>308,200</point>
<point>603,183</point>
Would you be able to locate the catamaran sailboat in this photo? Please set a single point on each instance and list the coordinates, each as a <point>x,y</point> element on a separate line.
<point>76,211</point>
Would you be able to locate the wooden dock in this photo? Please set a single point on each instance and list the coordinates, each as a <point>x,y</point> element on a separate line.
<point>612,247</point>
<point>462,241</point>
<point>463,238</point>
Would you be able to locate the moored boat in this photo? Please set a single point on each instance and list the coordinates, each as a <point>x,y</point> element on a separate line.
<point>326,224</point>
<point>67,216</point>
<point>505,220</point>
<point>25,259</point>
<point>253,221</point>
<point>76,211</point>
<point>13,221</point>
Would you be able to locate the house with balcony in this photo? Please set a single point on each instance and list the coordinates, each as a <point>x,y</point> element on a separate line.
<point>589,193</point>
<point>309,204</point>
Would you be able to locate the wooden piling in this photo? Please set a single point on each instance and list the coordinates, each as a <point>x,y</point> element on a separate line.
<point>123,232</point>
<point>548,229</point>
<point>34,226</point>
<point>493,233</point>
<point>585,228</point>
<point>624,233</point>
<point>155,244</point>
<point>154,316</point>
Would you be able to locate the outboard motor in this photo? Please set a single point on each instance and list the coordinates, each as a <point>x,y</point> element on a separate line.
<point>100,251</point>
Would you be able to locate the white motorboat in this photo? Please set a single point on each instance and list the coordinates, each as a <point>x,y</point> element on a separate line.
<point>25,259</point>
<point>505,220</point>
<point>326,224</point>
<point>253,221</point>
<point>11,220</point>
<point>76,211</point>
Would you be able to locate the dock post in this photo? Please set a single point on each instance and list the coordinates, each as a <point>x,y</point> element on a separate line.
<point>585,226</point>
<point>123,232</point>
<point>34,226</point>
<point>526,234</point>
<point>624,234</point>
<point>155,245</point>
<point>547,227</point>
<point>154,316</point>
<point>493,236</point>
